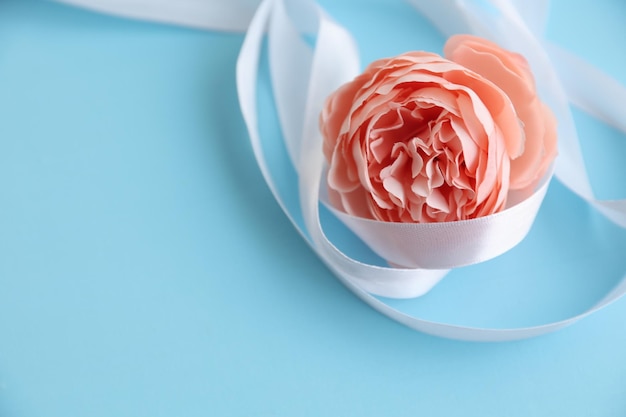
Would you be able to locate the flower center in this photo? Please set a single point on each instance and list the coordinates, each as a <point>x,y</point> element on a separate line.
<point>416,164</point>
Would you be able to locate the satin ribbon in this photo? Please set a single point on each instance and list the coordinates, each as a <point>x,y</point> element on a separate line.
<point>231,15</point>
<point>514,24</point>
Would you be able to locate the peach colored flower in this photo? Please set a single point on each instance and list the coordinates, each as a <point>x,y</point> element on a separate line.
<point>420,138</point>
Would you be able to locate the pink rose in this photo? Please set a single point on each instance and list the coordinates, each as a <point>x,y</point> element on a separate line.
<point>420,138</point>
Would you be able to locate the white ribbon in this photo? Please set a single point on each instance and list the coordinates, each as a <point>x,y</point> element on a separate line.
<point>515,24</point>
<point>231,15</point>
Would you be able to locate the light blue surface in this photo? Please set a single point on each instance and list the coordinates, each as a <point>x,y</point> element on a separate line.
<point>146,271</point>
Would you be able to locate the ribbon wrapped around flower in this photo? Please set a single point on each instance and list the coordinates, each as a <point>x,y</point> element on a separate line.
<point>423,139</point>
<point>433,162</point>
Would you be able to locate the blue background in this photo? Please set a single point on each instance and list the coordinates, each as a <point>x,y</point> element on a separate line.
<point>145,269</point>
